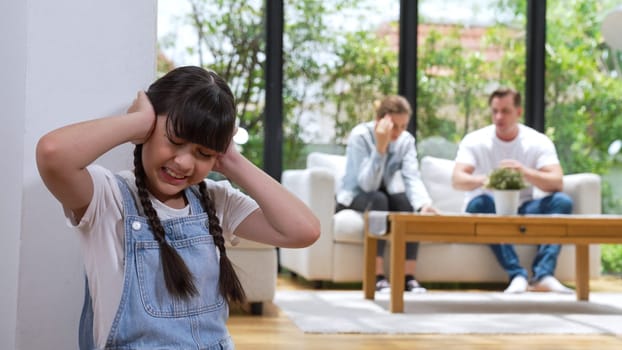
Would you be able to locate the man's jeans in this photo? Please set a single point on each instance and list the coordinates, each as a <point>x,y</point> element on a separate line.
<point>546,258</point>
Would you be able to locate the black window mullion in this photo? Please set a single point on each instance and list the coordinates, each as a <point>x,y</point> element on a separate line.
<point>273,110</point>
<point>535,70</point>
<point>407,72</point>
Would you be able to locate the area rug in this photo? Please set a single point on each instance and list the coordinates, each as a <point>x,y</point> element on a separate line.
<point>453,313</point>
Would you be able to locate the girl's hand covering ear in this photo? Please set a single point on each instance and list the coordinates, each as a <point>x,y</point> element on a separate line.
<point>382,132</point>
<point>226,162</point>
<point>142,108</point>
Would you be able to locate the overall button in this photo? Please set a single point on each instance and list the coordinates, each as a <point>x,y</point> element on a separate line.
<point>136,225</point>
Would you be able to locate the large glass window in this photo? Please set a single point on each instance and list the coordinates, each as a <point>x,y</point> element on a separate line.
<point>466,49</point>
<point>583,89</point>
<point>227,37</point>
<point>340,56</point>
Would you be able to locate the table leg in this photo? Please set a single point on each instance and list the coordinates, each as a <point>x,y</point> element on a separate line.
<point>370,245</point>
<point>582,271</point>
<point>398,257</point>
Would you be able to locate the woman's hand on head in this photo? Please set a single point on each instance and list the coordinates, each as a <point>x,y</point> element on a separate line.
<point>382,132</point>
<point>141,107</point>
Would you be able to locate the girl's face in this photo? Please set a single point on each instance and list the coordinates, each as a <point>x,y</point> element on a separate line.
<point>172,164</point>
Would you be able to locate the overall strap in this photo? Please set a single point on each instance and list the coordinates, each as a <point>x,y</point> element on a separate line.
<point>194,199</point>
<point>130,206</point>
<point>85,329</point>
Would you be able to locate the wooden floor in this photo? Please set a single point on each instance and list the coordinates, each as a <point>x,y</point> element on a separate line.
<point>275,331</point>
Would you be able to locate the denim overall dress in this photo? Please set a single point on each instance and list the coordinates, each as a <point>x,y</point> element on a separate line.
<point>148,317</point>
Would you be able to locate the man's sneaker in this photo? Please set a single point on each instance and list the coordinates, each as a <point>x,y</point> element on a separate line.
<point>383,285</point>
<point>414,287</point>
<point>518,285</point>
<point>550,284</point>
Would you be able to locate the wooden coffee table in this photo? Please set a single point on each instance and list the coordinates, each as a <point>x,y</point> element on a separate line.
<point>580,230</point>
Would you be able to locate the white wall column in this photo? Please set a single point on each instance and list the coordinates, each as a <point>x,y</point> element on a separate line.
<point>62,61</point>
<point>12,98</point>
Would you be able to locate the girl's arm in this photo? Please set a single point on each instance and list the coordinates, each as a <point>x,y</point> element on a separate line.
<point>282,219</point>
<point>63,154</point>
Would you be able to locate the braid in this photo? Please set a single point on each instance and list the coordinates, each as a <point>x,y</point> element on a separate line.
<point>229,284</point>
<point>178,279</point>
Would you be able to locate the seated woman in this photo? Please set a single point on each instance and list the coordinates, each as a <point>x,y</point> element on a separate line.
<point>382,173</point>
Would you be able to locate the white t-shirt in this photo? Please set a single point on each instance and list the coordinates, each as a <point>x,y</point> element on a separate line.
<point>484,150</point>
<point>102,237</point>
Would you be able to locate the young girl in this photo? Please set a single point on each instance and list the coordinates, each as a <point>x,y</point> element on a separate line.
<point>157,271</point>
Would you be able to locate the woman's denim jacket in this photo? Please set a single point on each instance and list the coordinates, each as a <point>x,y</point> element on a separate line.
<point>367,170</point>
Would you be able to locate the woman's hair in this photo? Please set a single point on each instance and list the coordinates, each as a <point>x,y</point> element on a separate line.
<point>200,108</point>
<point>392,104</point>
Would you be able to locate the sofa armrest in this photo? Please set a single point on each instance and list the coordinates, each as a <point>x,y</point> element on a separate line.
<point>585,191</point>
<point>315,187</point>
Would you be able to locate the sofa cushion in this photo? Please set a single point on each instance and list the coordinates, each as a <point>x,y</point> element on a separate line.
<point>436,175</point>
<point>348,226</point>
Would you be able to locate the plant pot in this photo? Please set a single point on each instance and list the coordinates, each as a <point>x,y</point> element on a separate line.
<point>506,201</point>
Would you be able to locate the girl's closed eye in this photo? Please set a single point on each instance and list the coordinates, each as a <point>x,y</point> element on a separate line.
<point>201,151</point>
<point>207,153</point>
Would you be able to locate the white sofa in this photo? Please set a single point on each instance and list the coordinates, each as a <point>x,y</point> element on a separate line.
<point>337,256</point>
<point>256,267</point>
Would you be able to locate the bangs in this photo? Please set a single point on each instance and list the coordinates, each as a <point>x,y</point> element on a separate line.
<point>207,119</point>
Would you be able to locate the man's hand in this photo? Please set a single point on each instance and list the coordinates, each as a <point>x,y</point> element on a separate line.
<point>512,164</point>
<point>548,178</point>
<point>462,178</point>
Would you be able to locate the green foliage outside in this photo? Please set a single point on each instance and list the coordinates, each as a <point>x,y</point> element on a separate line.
<point>230,40</point>
<point>339,74</point>
<point>611,258</point>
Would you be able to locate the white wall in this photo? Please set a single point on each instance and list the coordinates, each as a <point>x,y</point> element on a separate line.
<point>12,96</point>
<point>62,61</point>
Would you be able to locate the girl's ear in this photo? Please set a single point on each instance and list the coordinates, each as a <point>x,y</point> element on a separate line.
<point>157,127</point>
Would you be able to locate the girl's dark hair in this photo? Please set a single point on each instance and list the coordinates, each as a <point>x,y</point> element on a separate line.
<point>199,105</point>
<point>200,108</point>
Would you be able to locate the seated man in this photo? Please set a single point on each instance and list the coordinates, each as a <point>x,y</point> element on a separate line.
<point>510,144</point>
<point>376,151</point>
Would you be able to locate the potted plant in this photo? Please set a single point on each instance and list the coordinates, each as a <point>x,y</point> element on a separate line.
<point>506,184</point>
